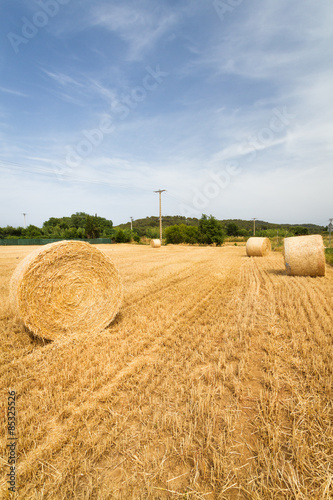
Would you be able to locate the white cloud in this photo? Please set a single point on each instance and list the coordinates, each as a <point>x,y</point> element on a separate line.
<point>226,82</point>
<point>13,92</point>
<point>140,25</point>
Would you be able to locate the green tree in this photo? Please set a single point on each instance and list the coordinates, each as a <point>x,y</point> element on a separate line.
<point>232,229</point>
<point>12,232</point>
<point>136,237</point>
<point>181,234</point>
<point>80,232</point>
<point>243,232</point>
<point>299,230</point>
<point>153,232</point>
<point>122,236</point>
<point>191,234</point>
<point>92,229</point>
<point>32,232</point>
<point>71,232</point>
<point>174,234</point>
<point>210,231</point>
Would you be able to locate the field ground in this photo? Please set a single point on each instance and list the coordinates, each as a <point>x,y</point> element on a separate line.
<point>214,382</point>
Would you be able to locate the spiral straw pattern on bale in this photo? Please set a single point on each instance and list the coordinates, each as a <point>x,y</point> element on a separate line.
<point>66,287</point>
<point>258,247</point>
<point>304,255</point>
<point>155,243</point>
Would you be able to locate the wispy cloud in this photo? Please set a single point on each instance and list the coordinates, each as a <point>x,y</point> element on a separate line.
<point>217,106</point>
<point>63,80</point>
<point>138,24</point>
<point>13,92</point>
<point>275,41</point>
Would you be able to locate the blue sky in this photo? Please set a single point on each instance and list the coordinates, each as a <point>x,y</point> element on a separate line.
<point>225,104</point>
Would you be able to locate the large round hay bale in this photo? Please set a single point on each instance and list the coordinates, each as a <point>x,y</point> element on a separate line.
<point>258,247</point>
<point>304,255</point>
<point>66,287</point>
<point>155,243</point>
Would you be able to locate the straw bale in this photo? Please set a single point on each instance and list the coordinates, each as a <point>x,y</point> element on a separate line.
<point>66,287</point>
<point>258,247</point>
<point>155,243</point>
<point>304,255</point>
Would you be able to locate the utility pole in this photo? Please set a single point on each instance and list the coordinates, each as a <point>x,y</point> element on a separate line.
<point>131,223</point>
<point>254,226</point>
<point>25,225</point>
<point>160,191</point>
<point>330,227</point>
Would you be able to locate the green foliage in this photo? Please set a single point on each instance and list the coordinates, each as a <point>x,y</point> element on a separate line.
<point>149,227</point>
<point>299,230</point>
<point>82,225</point>
<point>11,232</point>
<point>32,232</point>
<point>174,234</point>
<point>136,237</point>
<point>232,229</point>
<point>152,232</point>
<point>191,234</point>
<point>268,226</point>
<point>92,228</point>
<point>78,225</point>
<point>181,234</point>
<point>329,256</point>
<point>243,232</point>
<point>80,232</point>
<point>210,231</point>
<point>122,236</point>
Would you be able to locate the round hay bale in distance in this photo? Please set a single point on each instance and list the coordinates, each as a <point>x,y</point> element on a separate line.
<point>304,255</point>
<point>66,287</point>
<point>258,247</point>
<point>155,243</point>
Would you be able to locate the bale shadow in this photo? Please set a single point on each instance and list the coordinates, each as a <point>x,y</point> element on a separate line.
<point>277,272</point>
<point>36,339</point>
<point>116,320</point>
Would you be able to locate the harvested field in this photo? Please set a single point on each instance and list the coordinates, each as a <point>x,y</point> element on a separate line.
<point>213,382</point>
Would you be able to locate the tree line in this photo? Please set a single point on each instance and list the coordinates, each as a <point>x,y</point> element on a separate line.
<point>176,229</point>
<point>78,225</point>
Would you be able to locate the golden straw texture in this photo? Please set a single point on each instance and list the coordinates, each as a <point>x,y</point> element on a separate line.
<point>304,255</point>
<point>258,247</point>
<point>155,243</point>
<point>66,287</point>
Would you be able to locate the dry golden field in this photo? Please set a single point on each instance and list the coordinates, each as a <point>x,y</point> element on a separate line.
<point>213,382</point>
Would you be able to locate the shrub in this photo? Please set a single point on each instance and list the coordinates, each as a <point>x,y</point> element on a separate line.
<point>210,231</point>
<point>173,234</point>
<point>122,236</point>
<point>232,229</point>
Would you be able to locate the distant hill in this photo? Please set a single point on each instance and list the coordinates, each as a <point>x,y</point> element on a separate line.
<point>262,225</point>
<point>140,225</point>
<point>153,222</point>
